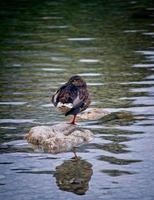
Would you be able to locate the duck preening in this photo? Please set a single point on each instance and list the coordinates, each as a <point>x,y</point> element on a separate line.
<point>72,97</point>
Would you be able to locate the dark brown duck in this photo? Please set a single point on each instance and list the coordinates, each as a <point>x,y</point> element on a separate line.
<point>74,95</point>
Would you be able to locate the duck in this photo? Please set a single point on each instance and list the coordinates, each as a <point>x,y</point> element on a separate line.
<point>72,97</point>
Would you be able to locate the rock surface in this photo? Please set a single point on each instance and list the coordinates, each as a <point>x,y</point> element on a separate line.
<point>93,114</point>
<point>58,138</point>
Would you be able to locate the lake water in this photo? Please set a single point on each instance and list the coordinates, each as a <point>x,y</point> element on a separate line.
<point>111,45</point>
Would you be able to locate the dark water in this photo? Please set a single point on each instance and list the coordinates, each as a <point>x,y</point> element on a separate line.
<point>110,44</point>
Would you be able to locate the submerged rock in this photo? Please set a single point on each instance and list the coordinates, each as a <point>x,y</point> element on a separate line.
<point>103,115</point>
<point>100,115</point>
<point>58,138</point>
<point>93,114</point>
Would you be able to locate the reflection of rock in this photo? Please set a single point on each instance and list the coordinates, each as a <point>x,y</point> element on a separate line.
<point>58,138</point>
<point>118,161</point>
<point>74,176</point>
<point>116,172</point>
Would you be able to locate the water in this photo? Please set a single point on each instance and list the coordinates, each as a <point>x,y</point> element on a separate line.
<point>110,44</point>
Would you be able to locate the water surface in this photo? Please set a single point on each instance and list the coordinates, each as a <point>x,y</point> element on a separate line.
<point>110,44</point>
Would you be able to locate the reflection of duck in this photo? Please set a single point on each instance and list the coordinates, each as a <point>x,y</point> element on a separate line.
<point>73,97</point>
<point>74,176</point>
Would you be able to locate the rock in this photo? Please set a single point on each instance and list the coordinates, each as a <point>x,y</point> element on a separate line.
<point>58,138</point>
<point>93,114</point>
<point>99,116</point>
<point>121,117</point>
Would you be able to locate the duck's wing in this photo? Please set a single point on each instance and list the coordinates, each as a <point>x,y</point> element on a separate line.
<point>65,94</point>
<point>55,96</point>
<point>80,103</point>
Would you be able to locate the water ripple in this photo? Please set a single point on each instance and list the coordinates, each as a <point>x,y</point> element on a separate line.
<point>95,84</point>
<point>144,65</point>
<point>13,103</point>
<point>145,52</point>
<point>57,27</point>
<point>90,74</point>
<point>16,121</point>
<point>81,39</point>
<point>89,61</point>
<point>51,17</point>
<point>52,69</point>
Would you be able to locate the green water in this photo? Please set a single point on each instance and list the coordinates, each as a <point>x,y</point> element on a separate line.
<point>110,44</point>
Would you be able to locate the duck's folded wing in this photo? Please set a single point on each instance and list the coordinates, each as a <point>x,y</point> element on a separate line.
<point>54,98</point>
<point>56,95</point>
<point>66,94</point>
<point>80,103</point>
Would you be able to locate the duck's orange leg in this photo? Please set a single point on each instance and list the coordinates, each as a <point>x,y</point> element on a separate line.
<point>73,121</point>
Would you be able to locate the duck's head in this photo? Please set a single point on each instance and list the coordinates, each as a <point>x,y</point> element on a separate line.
<point>77,81</point>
